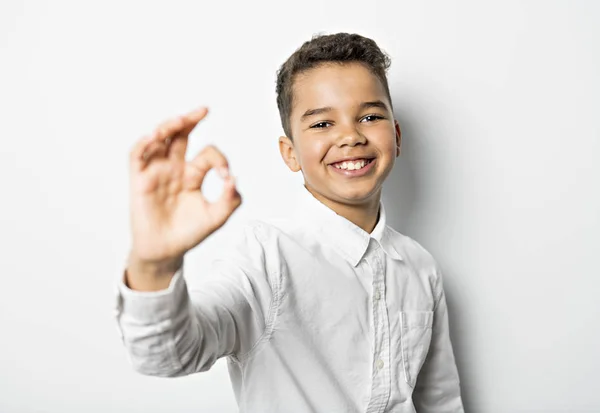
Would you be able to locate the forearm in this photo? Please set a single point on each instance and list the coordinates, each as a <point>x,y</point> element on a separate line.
<point>147,322</point>
<point>166,334</point>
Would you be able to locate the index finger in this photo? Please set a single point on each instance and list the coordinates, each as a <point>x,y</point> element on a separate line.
<point>165,134</point>
<point>190,120</point>
<point>179,126</point>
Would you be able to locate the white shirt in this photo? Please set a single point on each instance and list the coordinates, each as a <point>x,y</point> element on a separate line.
<point>313,314</point>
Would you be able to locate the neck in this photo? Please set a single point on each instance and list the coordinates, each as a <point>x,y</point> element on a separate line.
<point>364,215</point>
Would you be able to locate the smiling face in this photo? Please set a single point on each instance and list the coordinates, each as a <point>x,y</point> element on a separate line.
<point>345,137</point>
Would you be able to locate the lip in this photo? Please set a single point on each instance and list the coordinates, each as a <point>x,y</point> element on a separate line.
<point>356,172</point>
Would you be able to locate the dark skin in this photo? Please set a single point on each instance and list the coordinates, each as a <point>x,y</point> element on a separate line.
<point>357,122</point>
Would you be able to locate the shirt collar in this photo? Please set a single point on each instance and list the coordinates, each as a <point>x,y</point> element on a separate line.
<point>348,238</point>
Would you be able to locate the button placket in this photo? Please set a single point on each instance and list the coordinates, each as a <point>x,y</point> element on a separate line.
<point>381,385</point>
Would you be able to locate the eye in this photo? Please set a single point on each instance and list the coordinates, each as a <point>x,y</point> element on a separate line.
<point>372,117</point>
<point>320,125</point>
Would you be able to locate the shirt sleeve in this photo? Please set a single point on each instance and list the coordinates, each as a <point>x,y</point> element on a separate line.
<point>179,331</point>
<point>437,388</point>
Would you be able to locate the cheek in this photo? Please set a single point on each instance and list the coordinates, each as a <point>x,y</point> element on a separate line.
<point>389,146</point>
<point>386,142</point>
<point>312,155</point>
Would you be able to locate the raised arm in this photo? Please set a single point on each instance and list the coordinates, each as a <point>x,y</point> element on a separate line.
<point>167,329</point>
<point>183,330</point>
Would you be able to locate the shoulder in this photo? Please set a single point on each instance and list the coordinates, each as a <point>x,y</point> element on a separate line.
<point>274,230</point>
<point>411,250</point>
<point>270,242</point>
<point>254,232</point>
<point>417,258</point>
<point>247,254</point>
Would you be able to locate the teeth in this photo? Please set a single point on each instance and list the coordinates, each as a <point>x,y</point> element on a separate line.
<point>353,165</point>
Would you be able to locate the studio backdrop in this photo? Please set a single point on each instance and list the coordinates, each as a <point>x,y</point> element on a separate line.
<point>499,105</point>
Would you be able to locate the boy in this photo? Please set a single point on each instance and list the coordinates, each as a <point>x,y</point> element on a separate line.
<point>328,311</point>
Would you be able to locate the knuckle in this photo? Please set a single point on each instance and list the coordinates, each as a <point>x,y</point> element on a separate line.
<point>177,124</point>
<point>219,156</point>
<point>170,125</point>
<point>211,151</point>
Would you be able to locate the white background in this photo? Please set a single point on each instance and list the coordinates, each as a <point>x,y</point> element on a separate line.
<point>499,104</point>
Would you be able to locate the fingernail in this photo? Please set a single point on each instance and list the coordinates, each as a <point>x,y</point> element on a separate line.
<point>232,181</point>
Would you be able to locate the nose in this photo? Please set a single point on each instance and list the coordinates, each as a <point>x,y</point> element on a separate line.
<point>350,136</point>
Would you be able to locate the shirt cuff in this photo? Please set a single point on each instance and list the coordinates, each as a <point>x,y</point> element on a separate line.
<point>150,306</point>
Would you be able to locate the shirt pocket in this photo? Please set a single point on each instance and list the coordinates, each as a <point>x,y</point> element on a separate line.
<point>415,337</point>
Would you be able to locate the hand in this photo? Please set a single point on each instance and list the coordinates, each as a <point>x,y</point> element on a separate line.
<point>169,214</point>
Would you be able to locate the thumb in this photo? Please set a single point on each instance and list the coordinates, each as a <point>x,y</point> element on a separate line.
<point>229,201</point>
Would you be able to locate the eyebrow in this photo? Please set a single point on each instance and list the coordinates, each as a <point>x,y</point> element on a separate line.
<point>365,105</point>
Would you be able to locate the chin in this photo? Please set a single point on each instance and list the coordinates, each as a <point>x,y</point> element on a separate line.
<point>354,195</point>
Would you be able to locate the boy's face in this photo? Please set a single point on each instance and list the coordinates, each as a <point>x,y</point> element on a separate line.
<point>341,112</point>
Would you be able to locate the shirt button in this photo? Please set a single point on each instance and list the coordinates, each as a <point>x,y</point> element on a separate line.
<point>379,364</point>
<point>377,295</point>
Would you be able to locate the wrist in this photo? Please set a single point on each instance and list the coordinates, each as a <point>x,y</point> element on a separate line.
<point>153,269</point>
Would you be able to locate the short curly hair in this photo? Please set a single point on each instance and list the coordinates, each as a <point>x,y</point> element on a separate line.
<point>332,48</point>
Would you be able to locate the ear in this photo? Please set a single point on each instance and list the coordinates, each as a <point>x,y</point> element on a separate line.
<point>398,138</point>
<point>288,153</point>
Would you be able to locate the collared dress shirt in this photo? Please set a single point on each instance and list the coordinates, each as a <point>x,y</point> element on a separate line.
<point>313,314</point>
